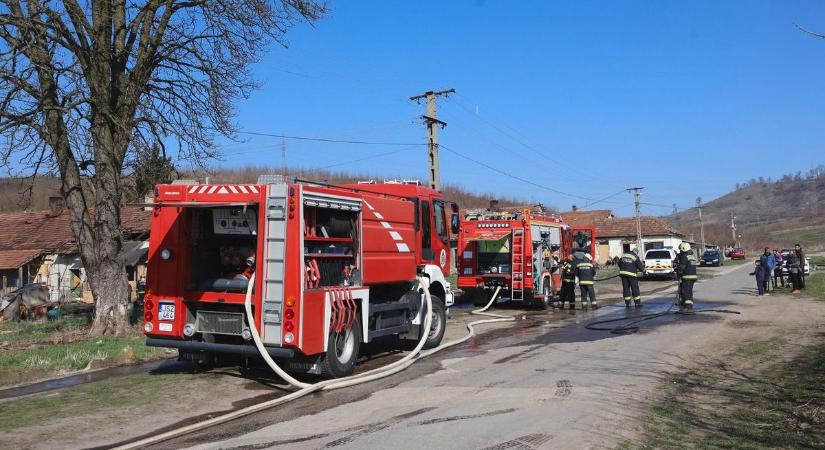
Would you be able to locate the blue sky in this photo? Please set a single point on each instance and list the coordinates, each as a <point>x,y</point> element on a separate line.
<point>583,97</point>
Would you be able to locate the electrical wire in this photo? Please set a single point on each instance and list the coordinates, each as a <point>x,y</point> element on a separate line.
<point>329,140</point>
<point>509,175</point>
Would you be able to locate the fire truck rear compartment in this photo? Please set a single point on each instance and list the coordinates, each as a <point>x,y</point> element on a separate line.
<point>222,252</point>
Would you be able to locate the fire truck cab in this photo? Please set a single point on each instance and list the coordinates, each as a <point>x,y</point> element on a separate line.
<point>517,251</point>
<point>334,267</point>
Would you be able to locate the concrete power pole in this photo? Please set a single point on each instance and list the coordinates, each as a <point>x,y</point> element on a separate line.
<point>637,192</point>
<point>283,157</point>
<point>432,134</point>
<point>733,228</point>
<point>701,223</point>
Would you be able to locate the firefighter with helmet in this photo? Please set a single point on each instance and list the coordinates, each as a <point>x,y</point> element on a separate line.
<point>686,268</point>
<point>568,284</point>
<point>586,271</point>
<point>629,267</point>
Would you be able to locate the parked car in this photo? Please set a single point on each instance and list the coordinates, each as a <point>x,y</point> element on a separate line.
<point>712,258</point>
<point>659,263</point>
<point>738,253</point>
<point>785,252</point>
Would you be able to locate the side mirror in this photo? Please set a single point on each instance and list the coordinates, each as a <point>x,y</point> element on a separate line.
<point>455,225</point>
<point>454,208</point>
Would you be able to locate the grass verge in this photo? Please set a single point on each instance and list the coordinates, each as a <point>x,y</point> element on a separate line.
<point>767,404</point>
<point>815,285</point>
<point>32,350</point>
<point>81,400</point>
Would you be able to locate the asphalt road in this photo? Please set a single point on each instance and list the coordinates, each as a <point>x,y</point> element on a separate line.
<point>545,382</point>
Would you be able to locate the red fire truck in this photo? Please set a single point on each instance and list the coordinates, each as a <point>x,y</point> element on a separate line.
<point>517,251</point>
<point>335,266</point>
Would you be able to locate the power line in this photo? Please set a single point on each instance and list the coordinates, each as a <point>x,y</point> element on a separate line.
<point>329,140</point>
<point>366,158</point>
<point>605,199</point>
<point>509,175</point>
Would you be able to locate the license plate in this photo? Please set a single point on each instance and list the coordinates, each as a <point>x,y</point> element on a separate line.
<point>166,311</point>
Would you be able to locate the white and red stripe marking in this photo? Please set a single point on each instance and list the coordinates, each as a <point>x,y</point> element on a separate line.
<point>396,236</point>
<point>223,189</point>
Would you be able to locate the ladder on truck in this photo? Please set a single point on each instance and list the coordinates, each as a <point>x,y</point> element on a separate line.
<point>517,266</point>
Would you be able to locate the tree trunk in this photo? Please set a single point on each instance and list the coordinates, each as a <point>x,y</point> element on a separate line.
<point>111,292</point>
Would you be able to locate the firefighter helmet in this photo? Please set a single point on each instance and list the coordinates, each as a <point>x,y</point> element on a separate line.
<point>684,246</point>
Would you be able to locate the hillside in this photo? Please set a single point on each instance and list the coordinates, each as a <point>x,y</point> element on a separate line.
<point>767,213</point>
<point>24,194</point>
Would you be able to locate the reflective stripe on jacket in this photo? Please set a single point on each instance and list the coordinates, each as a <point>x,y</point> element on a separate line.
<point>630,265</point>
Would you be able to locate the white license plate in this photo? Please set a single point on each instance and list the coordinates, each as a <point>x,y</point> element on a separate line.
<point>166,311</point>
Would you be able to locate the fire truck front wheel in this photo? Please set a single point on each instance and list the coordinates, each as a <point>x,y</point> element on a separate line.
<point>342,352</point>
<point>438,325</point>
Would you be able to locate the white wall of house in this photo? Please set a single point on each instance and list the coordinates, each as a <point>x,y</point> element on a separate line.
<point>616,244</point>
<point>63,276</point>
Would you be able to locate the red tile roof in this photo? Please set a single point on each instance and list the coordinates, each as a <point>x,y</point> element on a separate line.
<point>40,232</point>
<point>626,227</point>
<point>580,218</point>
<point>609,226</point>
<point>12,259</point>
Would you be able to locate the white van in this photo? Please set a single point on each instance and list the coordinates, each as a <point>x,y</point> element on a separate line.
<point>659,263</point>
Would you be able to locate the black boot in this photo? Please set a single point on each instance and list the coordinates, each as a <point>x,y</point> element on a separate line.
<point>627,303</point>
<point>638,303</point>
<point>572,306</point>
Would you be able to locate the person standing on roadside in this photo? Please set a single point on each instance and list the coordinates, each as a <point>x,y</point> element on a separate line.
<point>767,263</point>
<point>793,272</point>
<point>568,285</point>
<point>760,272</point>
<point>777,271</point>
<point>629,267</point>
<point>801,256</point>
<point>686,268</point>
<point>586,272</point>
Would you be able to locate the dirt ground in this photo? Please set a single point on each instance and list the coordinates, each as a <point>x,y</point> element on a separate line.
<point>146,403</point>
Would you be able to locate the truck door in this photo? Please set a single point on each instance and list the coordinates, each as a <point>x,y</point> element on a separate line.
<point>441,235</point>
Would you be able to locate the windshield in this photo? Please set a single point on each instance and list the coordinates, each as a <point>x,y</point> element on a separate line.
<point>711,254</point>
<point>658,254</point>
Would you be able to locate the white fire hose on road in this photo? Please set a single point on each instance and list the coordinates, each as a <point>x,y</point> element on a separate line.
<point>306,388</point>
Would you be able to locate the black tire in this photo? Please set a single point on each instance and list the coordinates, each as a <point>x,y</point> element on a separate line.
<point>342,352</point>
<point>438,325</point>
<point>546,295</point>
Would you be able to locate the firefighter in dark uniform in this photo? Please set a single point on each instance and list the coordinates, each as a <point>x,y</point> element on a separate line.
<point>686,268</point>
<point>586,271</point>
<point>629,267</point>
<point>568,284</point>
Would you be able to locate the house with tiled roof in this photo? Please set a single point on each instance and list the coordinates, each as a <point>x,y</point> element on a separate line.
<point>39,247</point>
<point>616,235</point>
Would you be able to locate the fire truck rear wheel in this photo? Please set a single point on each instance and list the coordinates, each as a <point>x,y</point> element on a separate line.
<point>342,352</point>
<point>546,295</point>
<point>438,325</point>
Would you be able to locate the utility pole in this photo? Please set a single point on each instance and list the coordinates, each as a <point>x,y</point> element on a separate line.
<point>701,223</point>
<point>637,192</point>
<point>283,157</point>
<point>733,228</point>
<point>432,134</point>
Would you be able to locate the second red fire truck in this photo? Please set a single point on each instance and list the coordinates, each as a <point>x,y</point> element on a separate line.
<point>334,267</point>
<point>518,252</point>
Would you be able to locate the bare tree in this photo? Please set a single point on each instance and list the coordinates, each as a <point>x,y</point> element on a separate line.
<point>84,83</point>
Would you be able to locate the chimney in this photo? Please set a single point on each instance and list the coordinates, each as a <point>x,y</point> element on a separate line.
<point>493,205</point>
<point>55,206</point>
<point>575,208</point>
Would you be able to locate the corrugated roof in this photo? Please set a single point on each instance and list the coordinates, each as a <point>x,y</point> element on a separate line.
<point>12,259</point>
<point>45,233</point>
